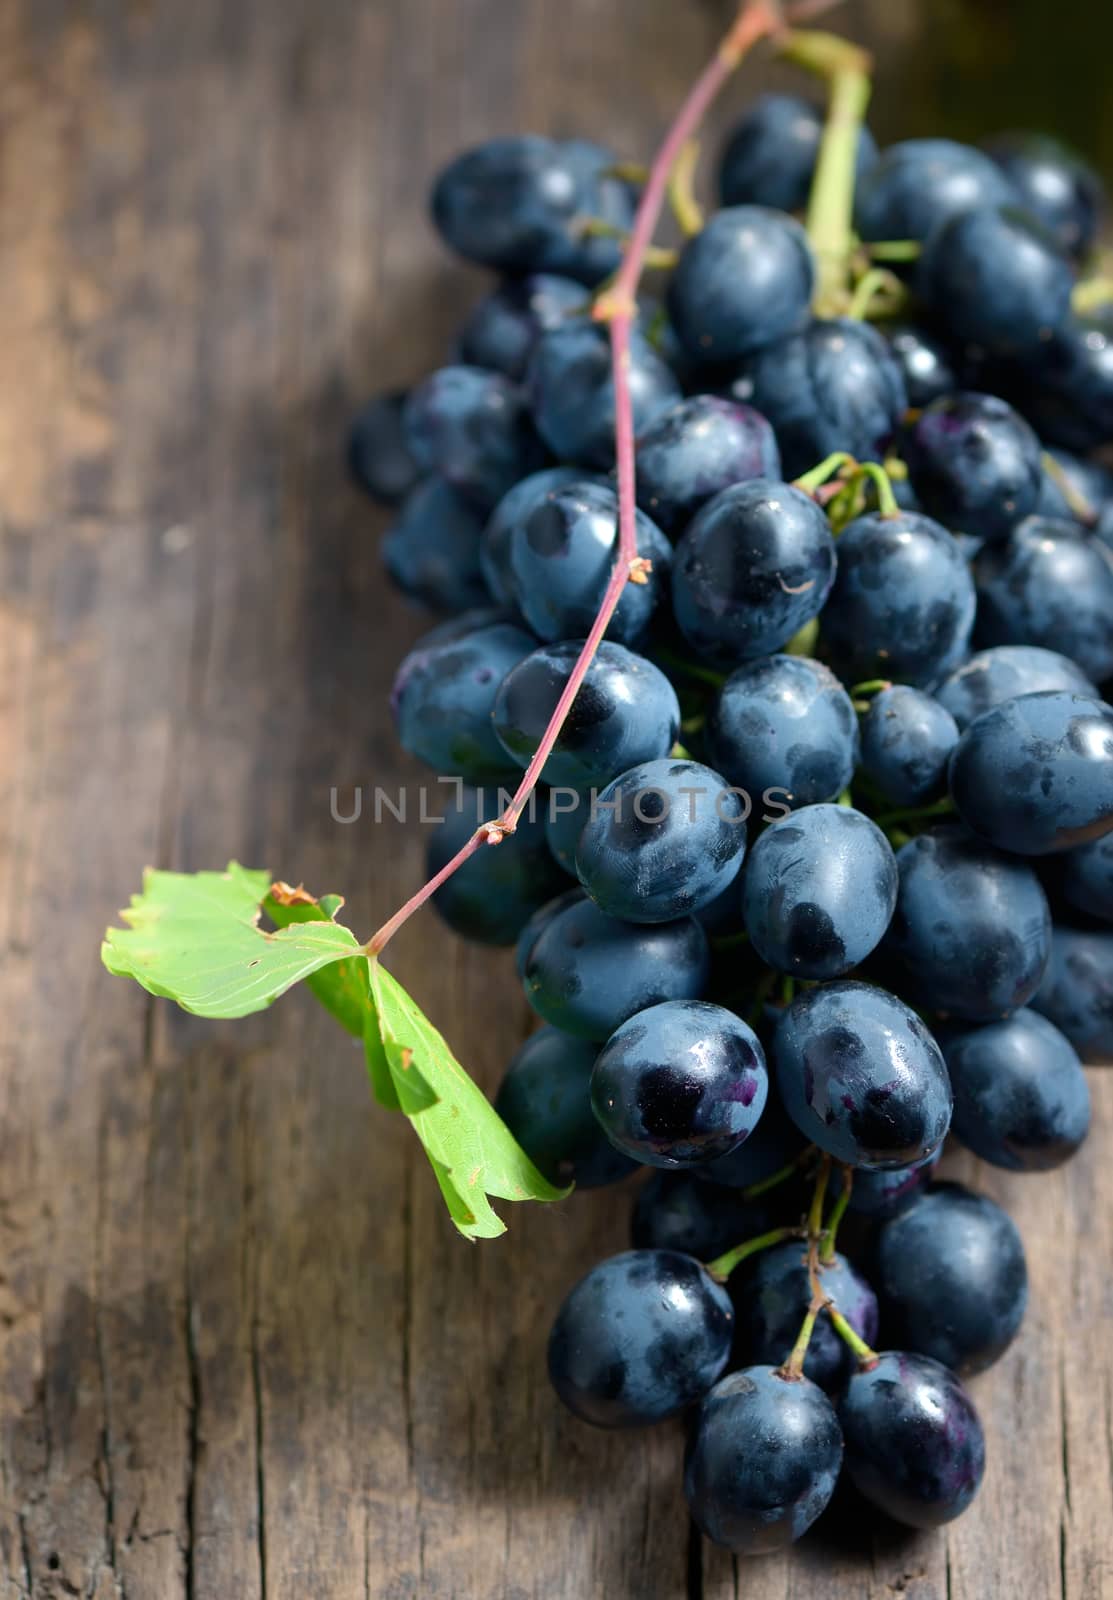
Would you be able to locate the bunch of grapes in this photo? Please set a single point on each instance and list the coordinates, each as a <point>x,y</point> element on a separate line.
<point>820,865</point>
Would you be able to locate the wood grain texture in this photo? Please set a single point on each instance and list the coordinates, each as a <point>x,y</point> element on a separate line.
<point>242,1352</point>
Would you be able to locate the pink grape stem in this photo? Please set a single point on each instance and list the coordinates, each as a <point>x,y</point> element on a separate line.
<point>617,306</point>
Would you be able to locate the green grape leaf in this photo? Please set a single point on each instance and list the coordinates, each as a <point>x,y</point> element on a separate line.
<point>197,939</point>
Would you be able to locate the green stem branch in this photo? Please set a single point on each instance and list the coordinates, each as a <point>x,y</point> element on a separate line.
<point>722,1267</point>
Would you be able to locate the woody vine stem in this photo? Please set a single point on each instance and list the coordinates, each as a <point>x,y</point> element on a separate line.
<point>617,307</point>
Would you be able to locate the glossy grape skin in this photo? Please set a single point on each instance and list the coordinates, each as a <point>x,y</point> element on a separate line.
<point>502,330</point>
<point>472,428</point>
<point>745,280</point>
<point>991,677</point>
<point>997,278</point>
<point>773,1297</point>
<point>493,895</point>
<point>971,925</point>
<point>639,1339</point>
<point>774,1143</point>
<point>914,1442</point>
<point>886,1194</point>
<point>835,386</point>
<point>565,815</point>
<point>1050,585</point>
<point>818,891</point>
<point>1066,391</point>
<point>696,449</point>
<point>682,1211</point>
<point>625,711</point>
<point>664,839</point>
<point>925,364</point>
<point>1077,990</point>
<point>514,508</point>
<point>769,158</point>
<point>787,725</point>
<point>903,601</point>
<point>545,1101</point>
<point>442,699</point>
<point>951,1279</point>
<point>975,464</point>
<point>679,1084</point>
<point>1089,479</point>
<point>907,738</point>
<point>378,455</point>
<point>861,1076</point>
<point>517,204</point>
<point>1054,184</point>
<point>572,391</point>
<point>1021,1097</point>
<point>1087,878</point>
<point>587,973</point>
<point>432,550</point>
<point>561,558</point>
<point>916,184</point>
<point>752,567</point>
<point>762,1460</point>
<point>1035,774</point>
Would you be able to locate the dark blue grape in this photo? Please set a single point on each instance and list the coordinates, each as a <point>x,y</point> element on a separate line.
<point>432,550</point>
<point>996,278</point>
<point>518,204</point>
<point>442,699</point>
<point>818,891</point>
<point>639,1339</point>
<point>572,391</point>
<point>1054,184</point>
<point>745,280</point>
<point>975,464</point>
<point>1066,389</point>
<point>502,330</point>
<point>587,973</point>
<point>472,428</point>
<point>1088,481</point>
<point>493,895</point>
<point>769,158</point>
<point>1077,991</point>
<point>907,738</point>
<point>773,1297</point>
<point>914,1442</point>
<point>696,449</point>
<point>378,454</point>
<point>513,509</point>
<point>1036,774</point>
<point>561,558</point>
<point>762,1460</point>
<point>951,1278</point>
<point>663,839</point>
<point>679,1084</point>
<point>1050,585</point>
<point>835,386</point>
<point>971,925</point>
<point>539,921</point>
<point>886,1194</point>
<point>774,1143</point>
<point>545,1101</point>
<point>919,183</point>
<point>784,730</point>
<point>565,815</point>
<point>681,1211</point>
<point>1087,878</point>
<point>753,566</point>
<point>991,677</point>
<point>1021,1096</point>
<point>861,1076</point>
<point>461,626</point>
<point>925,364</point>
<point>625,711</point>
<point>903,601</point>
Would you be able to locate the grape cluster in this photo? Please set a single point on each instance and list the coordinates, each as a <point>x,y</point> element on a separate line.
<point>820,867</point>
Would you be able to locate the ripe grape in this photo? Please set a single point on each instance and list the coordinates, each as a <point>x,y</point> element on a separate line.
<point>769,158</point>
<point>925,363</point>
<point>997,277</point>
<point>975,464</point>
<point>784,730</point>
<point>773,1296</point>
<point>693,451</point>
<point>1051,585</point>
<point>1087,878</point>
<point>378,453</point>
<point>1066,389</point>
<point>907,738</point>
<point>886,1194</point>
<point>571,389</point>
<point>514,508</point>
<point>745,280</point>
<point>1054,184</point>
<point>432,550</point>
<point>496,891</point>
<point>545,1101</point>
<point>502,330</point>
<point>917,184</point>
<point>1077,990</point>
<point>990,677</point>
<point>680,1210</point>
<point>474,429</point>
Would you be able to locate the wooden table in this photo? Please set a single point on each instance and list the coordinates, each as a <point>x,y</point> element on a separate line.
<point>242,1352</point>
